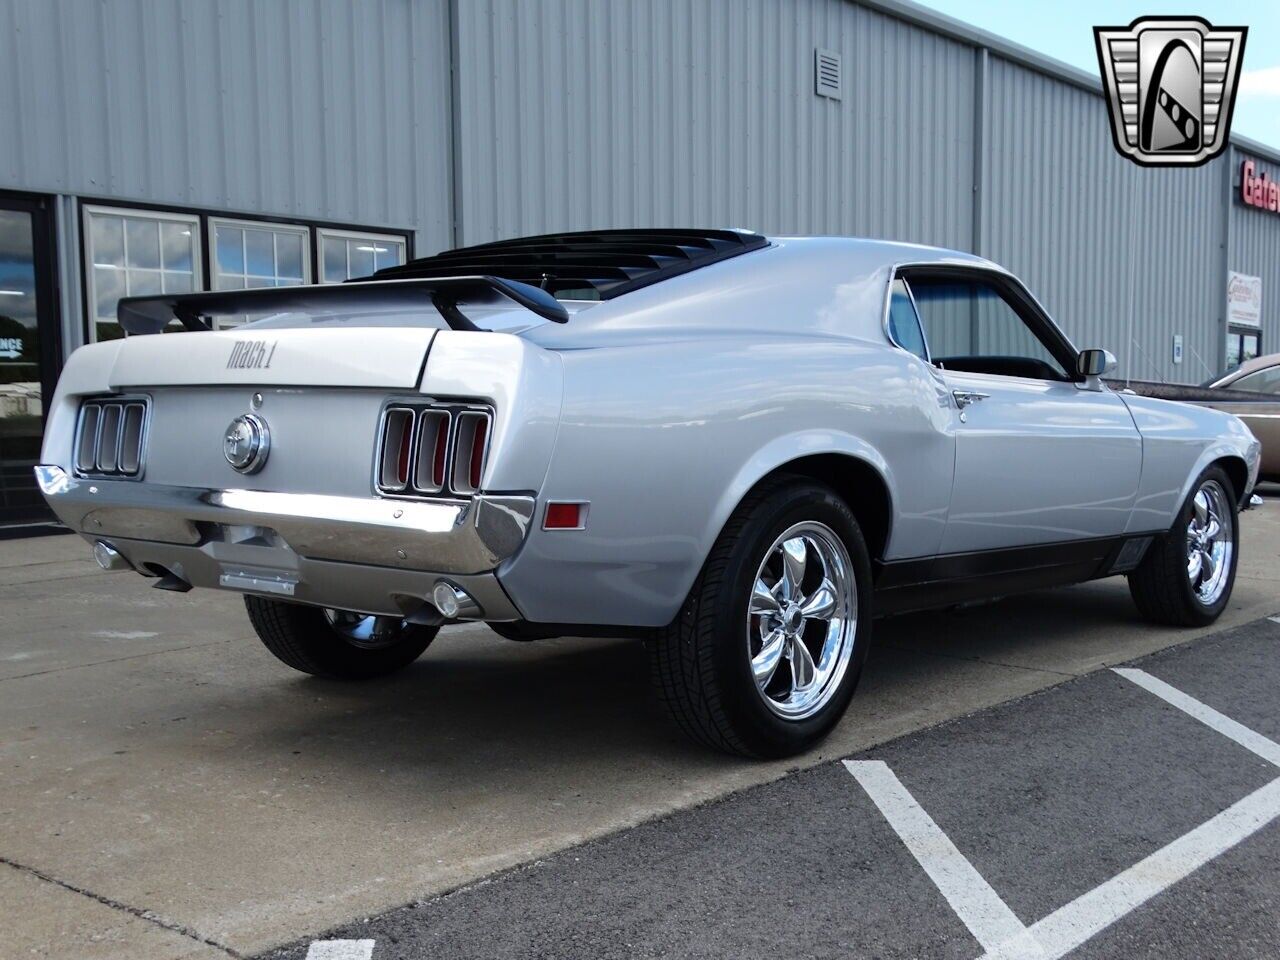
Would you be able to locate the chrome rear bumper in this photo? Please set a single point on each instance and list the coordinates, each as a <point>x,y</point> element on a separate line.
<point>212,531</point>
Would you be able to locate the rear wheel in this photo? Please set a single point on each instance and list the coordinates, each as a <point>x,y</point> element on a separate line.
<point>766,652</point>
<point>338,644</point>
<point>1186,579</point>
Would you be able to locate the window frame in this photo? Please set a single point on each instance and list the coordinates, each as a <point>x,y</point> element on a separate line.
<point>888,313</point>
<point>87,210</point>
<point>1016,296</point>
<point>213,221</point>
<point>349,234</point>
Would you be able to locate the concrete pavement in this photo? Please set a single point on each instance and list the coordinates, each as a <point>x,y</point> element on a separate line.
<point>158,768</point>
<point>941,843</point>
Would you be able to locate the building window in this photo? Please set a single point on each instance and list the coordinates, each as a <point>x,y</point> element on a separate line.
<point>346,254</point>
<point>134,253</point>
<point>250,254</point>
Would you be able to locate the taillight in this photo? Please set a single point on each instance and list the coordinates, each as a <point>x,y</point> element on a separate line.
<point>468,451</point>
<point>130,453</point>
<point>110,438</point>
<point>397,449</point>
<point>433,449</point>
<point>477,452</point>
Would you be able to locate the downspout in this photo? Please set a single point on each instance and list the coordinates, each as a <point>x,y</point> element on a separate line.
<point>1228,182</point>
<point>455,129</point>
<point>980,114</point>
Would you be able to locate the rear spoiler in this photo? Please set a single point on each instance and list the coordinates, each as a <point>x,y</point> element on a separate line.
<point>147,315</point>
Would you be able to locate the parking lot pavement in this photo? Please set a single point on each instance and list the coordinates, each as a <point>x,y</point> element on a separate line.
<point>157,766</point>
<point>1122,814</point>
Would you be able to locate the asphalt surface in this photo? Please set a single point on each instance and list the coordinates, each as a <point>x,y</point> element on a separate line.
<point>1048,797</point>
<point>169,790</point>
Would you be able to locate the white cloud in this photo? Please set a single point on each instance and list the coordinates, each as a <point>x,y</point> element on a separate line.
<point>1261,83</point>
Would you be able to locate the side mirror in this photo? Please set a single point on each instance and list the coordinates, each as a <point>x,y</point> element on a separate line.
<point>1092,364</point>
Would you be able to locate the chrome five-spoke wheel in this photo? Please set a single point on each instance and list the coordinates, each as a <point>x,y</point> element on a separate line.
<point>766,651</point>
<point>1210,542</point>
<point>1186,577</point>
<point>802,620</point>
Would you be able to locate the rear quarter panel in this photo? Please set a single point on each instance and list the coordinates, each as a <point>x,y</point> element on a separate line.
<point>665,438</point>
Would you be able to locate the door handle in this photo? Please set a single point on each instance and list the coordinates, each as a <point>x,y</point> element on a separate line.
<point>966,397</point>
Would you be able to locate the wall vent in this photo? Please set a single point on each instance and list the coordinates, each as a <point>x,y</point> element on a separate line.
<point>826,73</point>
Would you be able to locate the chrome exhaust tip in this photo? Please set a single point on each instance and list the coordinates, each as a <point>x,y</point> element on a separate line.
<point>454,603</point>
<point>108,557</point>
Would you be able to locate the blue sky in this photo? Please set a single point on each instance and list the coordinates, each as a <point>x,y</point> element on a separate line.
<point>1065,31</point>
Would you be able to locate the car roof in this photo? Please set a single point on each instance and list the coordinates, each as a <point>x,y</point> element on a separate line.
<point>604,264</point>
<point>1249,366</point>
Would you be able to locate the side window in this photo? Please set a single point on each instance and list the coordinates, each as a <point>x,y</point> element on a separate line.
<point>1261,381</point>
<point>972,328</point>
<point>904,325</point>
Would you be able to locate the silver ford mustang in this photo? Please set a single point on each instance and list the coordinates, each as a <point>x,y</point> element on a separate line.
<point>740,449</point>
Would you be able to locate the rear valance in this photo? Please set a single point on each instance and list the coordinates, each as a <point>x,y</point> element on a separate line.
<point>147,315</point>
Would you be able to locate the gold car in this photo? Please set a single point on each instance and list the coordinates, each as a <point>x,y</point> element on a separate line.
<point>1260,375</point>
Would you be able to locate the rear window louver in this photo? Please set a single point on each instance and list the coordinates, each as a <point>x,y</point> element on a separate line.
<point>591,265</point>
<point>110,438</point>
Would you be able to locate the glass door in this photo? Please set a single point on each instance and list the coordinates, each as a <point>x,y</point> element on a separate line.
<point>1242,345</point>
<point>29,351</point>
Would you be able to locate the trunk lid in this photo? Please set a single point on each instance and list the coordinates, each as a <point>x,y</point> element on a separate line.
<point>364,356</point>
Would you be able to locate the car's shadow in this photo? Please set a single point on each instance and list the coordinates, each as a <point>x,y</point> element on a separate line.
<point>501,712</point>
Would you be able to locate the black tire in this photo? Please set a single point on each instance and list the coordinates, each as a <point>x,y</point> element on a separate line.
<point>302,637</point>
<point>699,664</point>
<point>1161,587</point>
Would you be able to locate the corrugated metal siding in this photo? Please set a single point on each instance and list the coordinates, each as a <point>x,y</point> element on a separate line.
<point>324,109</point>
<point>1123,257</point>
<point>596,113</point>
<point>1255,247</point>
<point>601,113</point>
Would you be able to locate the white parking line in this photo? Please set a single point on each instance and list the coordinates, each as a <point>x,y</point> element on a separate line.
<point>340,950</point>
<point>979,907</point>
<point>1274,619</point>
<point>1002,935</point>
<point>1070,926</point>
<point>1264,747</point>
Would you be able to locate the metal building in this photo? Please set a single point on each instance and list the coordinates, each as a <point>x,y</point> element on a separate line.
<point>156,145</point>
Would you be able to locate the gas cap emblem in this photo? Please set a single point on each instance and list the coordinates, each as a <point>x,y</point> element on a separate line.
<point>246,443</point>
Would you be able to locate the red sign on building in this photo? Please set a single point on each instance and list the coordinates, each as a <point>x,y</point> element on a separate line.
<point>1259,191</point>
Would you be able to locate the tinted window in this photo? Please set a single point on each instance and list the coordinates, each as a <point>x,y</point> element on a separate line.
<point>904,325</point>
<point>971,327</point>
<point>1260,381</point>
